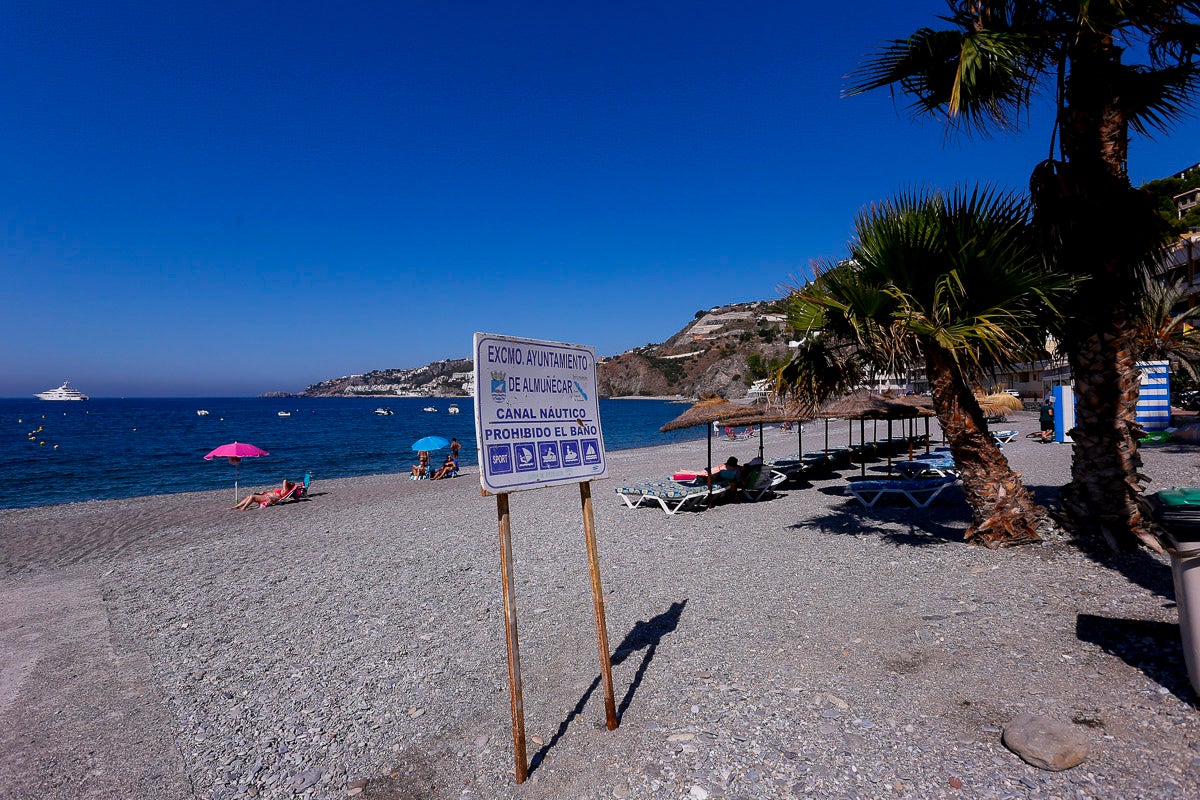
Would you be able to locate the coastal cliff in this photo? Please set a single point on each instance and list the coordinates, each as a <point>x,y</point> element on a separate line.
<point>722,350</point>
<point>449,378</point>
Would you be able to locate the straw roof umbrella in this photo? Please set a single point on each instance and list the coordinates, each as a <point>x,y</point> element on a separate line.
<point>1003,400</point>
<point>924,406</point>
<point>769,415</point>
<point>998,405</point>
<point>863,405</point>
<point>706,412</point>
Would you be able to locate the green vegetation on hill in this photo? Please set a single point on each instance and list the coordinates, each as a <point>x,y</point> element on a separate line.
<point>1165,190</point>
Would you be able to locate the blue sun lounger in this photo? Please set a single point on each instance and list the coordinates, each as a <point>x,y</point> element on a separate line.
<point>919,492</point>
<point>764,484</point>
<point>927,467</point>
<point>636,496</point>
<point>670,496</point>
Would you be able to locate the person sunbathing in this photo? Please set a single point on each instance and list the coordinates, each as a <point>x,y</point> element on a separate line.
<point>726,473</point>
<point>448,468</point>
<point>268,498</point>
<point>421,469</point>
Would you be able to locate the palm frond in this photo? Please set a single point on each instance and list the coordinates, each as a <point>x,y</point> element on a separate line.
<point>821,368</point>
<point>1156,99</point>
<point>924,62</point>
<point>955,271</point>
<point>1160,332</point>
<point>977,78</point>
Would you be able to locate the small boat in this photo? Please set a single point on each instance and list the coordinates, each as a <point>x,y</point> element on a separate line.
<point>64,392</point>
<point>453,409</point>
<point>202,413</point>
<point>429,409</point>
<point>285,413</point>
<point>383,412</point>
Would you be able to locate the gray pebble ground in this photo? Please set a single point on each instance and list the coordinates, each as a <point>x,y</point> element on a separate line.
<point>353,646</point>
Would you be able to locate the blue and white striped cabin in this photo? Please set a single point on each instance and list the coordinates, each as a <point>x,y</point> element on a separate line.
<point>1154,396</point>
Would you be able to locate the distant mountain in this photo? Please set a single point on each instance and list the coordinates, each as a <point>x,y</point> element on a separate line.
<point>720,351</point>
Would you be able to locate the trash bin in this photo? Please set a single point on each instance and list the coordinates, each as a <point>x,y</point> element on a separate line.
<point>1178,511</point>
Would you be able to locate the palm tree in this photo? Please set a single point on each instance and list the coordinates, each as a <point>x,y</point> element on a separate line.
<point>954,282</point>
<point>983,73</point>
<point>1162,334</point>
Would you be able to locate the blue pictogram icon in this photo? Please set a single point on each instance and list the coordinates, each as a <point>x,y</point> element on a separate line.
<point>548,455</point>
<point>570,452</point>
<point>526,457</point>
<point>500,459</point>
<point>591,450</point>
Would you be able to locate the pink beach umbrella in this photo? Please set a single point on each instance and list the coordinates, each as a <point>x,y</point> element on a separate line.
<point>235,452</point>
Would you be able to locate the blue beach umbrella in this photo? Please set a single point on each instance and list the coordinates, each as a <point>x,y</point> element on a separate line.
<point>430,443</point>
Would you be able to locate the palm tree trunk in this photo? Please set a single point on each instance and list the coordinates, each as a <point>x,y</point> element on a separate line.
<point>1003,511</point>
<point>1105,495</point>
<point>1100,227</point>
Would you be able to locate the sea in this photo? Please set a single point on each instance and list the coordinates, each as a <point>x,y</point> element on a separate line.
<point>106,449</point>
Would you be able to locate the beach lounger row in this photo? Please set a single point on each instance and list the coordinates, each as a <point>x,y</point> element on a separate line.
<point>919,492</point>
<point>674,497</point>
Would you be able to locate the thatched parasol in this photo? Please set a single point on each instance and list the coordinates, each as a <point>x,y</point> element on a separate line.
<point>770,415</point>
<point>924,406</point>
<point>707,411</point>
<point>998,405</point>
<point>1002,400</point>
<point>863,405</point>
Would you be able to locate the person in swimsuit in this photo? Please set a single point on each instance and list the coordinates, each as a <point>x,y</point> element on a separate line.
<point>448,468</point>
<point>268,498</point>
<point>726,473</point>
<point>421,469</point>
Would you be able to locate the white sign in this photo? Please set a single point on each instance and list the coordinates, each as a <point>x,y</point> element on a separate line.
<point>537,417</point>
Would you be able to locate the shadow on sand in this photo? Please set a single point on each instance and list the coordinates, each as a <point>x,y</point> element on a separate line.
<point>645,635</point>
<point>1150,647</point>
<point>944,521</point>
<point>1140,567</point>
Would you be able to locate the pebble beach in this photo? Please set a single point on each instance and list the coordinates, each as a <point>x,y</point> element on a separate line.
<point>353,645</point>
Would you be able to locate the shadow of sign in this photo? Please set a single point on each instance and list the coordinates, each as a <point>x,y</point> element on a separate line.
<point>1151,647</point>
<point>645,635</point>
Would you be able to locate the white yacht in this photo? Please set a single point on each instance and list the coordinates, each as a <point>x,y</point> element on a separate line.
<point>201,413</point>
<point>64,392</point>
<point>384,411</point>
<point>453,409</point>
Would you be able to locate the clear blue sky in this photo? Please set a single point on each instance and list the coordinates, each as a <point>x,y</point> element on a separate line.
<point>232,198</point>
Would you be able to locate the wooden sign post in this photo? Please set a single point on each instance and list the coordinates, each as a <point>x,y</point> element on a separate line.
<point>510,635</point>
<point>537,422</point>
<point>593,553</point>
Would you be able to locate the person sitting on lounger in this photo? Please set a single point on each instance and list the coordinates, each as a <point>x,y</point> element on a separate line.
<point>726,473</point>
<point>448,468</point>
<point>268,498</point>
<point>421,468</point>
